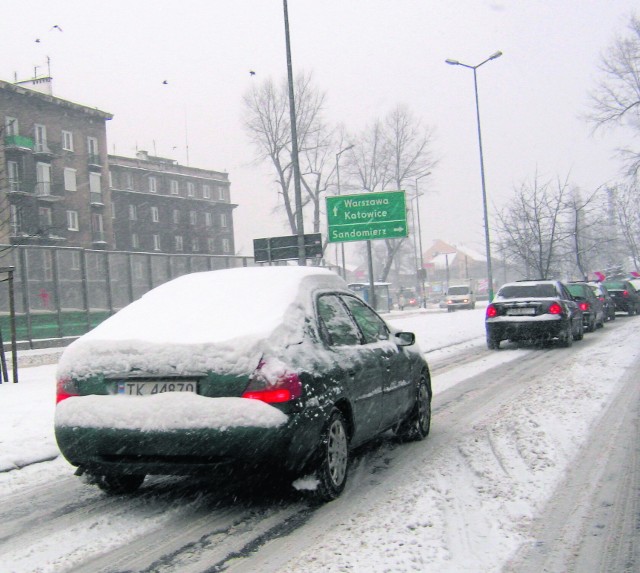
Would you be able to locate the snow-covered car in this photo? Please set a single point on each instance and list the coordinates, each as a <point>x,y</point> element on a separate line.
<point>279,367</point>
<point>537,311</point>
<point>624,294</point>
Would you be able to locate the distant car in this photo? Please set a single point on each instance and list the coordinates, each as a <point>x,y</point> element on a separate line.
<point>592,309</point>
<point>625,296</point>
<point>202,373</point>
<point>460,296</point>
<point>605,298</point>
<point>533,310</point>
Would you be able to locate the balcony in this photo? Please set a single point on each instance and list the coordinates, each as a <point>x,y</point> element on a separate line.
<point>18,143</point>
<point>43,151</point>
<point>99,237</point>
<point>47,191</point>
<point>94,161</point>
<point>18,186</point>
<point>95,199</point>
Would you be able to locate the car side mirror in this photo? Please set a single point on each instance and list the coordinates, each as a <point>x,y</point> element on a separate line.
<point>405,338</point>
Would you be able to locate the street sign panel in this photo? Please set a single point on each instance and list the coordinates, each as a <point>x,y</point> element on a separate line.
<point>286,248</point>
<point>367,216</point>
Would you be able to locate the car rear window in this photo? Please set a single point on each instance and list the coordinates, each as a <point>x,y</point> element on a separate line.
<point>528,291</point>
<point>614,286</point>
<point>576,290</point>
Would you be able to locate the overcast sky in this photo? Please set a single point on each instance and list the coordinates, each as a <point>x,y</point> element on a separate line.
<point>367,55</point>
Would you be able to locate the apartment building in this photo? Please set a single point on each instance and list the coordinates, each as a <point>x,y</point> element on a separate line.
<point>159,205</point>
<point>53,169</point>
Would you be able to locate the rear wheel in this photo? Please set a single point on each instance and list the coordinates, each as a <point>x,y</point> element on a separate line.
<point>493,343</point>
<point>592,325</point>
<point>418,423</point>
<point>566,340</point>
<point>114,484</point>
<point>333,464</point>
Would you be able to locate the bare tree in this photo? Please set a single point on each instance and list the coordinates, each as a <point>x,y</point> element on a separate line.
<point>626,208</point>
<point>616,98</point>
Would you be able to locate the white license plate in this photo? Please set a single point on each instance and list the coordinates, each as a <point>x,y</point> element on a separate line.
<point>521,311</point>
<point>133,388</point>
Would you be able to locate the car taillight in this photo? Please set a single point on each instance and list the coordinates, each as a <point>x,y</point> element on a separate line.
<point>66,388</point>
<point>584,306</point>
<point>625,293</point>
<point>273,383</point>
<point>492,311</point>
<point>555,308</point>
<point>601,298</point>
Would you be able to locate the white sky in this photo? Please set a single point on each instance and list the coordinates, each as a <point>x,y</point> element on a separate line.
<point>368,55</point>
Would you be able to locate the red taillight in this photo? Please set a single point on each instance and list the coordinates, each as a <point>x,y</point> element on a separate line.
<point>584,306</point>
<point>65,388</point>
<point>601,298</point>
<point>492,311</point>
<point>625,293</point>
<point>273,383</point>
<point>555,308</point>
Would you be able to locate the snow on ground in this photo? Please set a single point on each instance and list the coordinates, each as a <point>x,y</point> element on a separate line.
<point>465,512</point>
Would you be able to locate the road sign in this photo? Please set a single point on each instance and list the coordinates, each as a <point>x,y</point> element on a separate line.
<point>286,248</point>
<point>367,216</point>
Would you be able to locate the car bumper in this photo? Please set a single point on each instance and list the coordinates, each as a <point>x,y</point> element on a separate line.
<point>526,330</point>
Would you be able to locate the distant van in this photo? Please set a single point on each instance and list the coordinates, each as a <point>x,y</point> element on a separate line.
<point>460,296</point>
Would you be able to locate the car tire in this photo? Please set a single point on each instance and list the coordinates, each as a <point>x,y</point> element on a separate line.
<point>118,484</point>
<point>492,343</point>
<point>333,462</point>
<point>592,325</point>
<point>417,425</point>
<point>580,334</point>
<point>566,341</point>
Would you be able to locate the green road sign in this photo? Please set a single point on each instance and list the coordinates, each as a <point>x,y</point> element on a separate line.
<point>367,216</point>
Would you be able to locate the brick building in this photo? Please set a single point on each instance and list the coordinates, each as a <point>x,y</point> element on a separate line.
<point>53,169</point>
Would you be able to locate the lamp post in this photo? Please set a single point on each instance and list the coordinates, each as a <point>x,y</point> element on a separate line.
<point>487,240</point>
<point>422,293</point>
<point>344,270</point>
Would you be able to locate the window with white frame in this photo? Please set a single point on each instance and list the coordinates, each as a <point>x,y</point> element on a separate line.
<point>226,245</point>
<point>208,219</point>
<point>67,140</point>
<point>13,171</point>
<point>206,191</point>
<point>15,219</point>
<point>175,187</point>
<point>153,185</point>
<point>220,193</point>
<point>44,217</point>
<point>179,244</point>
<point>156,242</point>
<point>95,182</point>
<point>135,241</point>
<point>211,244</point>
<point>92,148</point>
<point>195,244</point>
<point>223,219</point>
<point>40,137</point>
<point>11,126</point>
<point>193,217</point>
<point>191,189</point>
<point>43,179</point>
<point>70,181</point>
<point>176,216</point>
<point>72,221</point>
<point>133,213</point>
<point>155,215</point>
<point>127,180</point>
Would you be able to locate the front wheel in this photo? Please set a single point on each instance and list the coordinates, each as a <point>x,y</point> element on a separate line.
<point>418,423</point>
<point>333,463</point>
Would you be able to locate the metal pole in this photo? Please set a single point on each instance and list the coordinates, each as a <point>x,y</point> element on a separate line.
<point>424,297</point>
<point>344,270</point>
<point>302,259</point>
<point>14,344</point>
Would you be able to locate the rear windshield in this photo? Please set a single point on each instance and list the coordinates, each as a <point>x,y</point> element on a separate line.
<point>576,290</point>
<point>614,286</point>
<point>458,290</point>
<point>528,291</point>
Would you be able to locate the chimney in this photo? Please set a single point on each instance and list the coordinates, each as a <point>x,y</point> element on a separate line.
<point>142,155</point>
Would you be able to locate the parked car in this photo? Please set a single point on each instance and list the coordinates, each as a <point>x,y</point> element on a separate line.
<point>605,298</point>
<point>278,367</point>
<point>533,310</point>
<point>592,309</point>
<point>625,296</point>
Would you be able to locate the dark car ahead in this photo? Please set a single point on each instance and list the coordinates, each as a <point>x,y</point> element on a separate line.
<point>625,296</point>
<point>274,367</point>
<point>592,309</point>
<point>605,298</point>
<point>536,311</point>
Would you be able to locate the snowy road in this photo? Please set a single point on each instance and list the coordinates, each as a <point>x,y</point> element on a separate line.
<point>532,465</point>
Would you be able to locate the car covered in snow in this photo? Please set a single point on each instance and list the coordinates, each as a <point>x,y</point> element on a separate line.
<point>248,368</point>
<point>624,294</point>
<point>533,310</point>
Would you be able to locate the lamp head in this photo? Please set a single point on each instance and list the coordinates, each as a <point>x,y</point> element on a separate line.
<point>496,55</point>
<point>453,62</point>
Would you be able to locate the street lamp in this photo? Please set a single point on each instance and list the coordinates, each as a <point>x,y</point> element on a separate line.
<point>487,240</point>
<point>344,271</point>
<point>422,293</point>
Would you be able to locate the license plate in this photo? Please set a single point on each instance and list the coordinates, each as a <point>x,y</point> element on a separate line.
<point>133,388</point>
<point>528,311</point>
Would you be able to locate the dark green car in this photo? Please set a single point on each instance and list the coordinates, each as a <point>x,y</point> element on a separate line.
<point>240,368</point>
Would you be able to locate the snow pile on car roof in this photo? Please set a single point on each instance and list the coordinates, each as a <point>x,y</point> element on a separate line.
<point>217,320</point>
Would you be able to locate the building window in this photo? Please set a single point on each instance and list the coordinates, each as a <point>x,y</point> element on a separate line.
<point>133,213</point>
<point>92,150</point>
<point>155,215</point>
<point>223,219</point>
<point>75,260</point>
<point>176,216</point>
<point>97,225</point>
<point>175,188</point>
<point>135,241</point>
<point>43,179</point>
<point>72,221</point>
<point>208,219</point>
<point>221,193</point>
<point>226,245</point>
<point>40,137</point>
<point>13,171</point>
<point>15,219</point>
<point>195,244</point>
<point>156,242</point>
<point>95,182</point>
<point>113,210</point>
<point>193,217</point>
<point>211,244</point>
<point>11,126</point>
<point>70,183</point>
<point>44,218</point>
<point>153,185</point>
<point>206,191</point>
<point>127,179</point>
<point>179,243</point>
<point>191,189</point>
<point>67,140</point>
